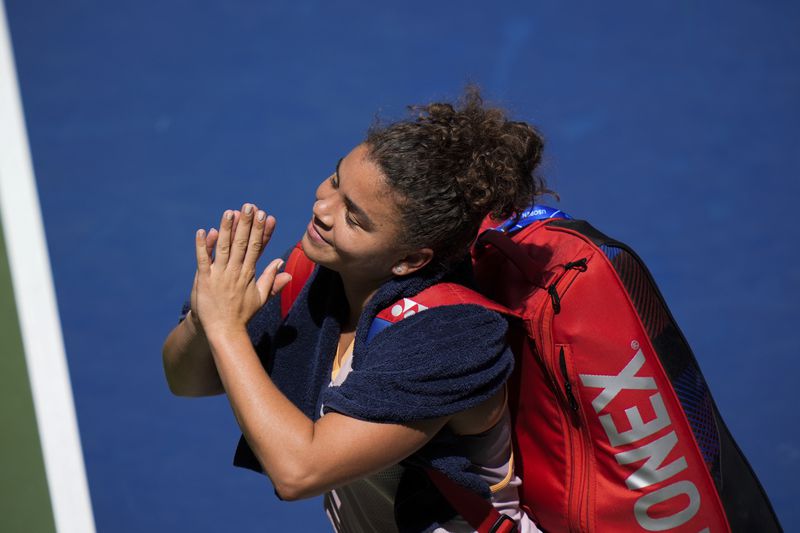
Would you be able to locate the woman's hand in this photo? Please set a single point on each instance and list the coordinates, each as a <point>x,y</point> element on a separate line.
<point>211,240</point>
<point>226,293</point>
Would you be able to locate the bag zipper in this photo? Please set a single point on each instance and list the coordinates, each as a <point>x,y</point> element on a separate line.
<point>578,482</point>
<point>573,403</point>
<point>552,289</point>
<point>544,318</point>
<point>578,498</point>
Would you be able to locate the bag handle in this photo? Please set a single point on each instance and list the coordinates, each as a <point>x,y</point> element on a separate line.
<point>513,252</point>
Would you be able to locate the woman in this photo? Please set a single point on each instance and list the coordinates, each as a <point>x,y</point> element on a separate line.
<point>334,414</point>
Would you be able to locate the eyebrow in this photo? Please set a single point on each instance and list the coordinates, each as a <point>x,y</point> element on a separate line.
<point>351,206</point>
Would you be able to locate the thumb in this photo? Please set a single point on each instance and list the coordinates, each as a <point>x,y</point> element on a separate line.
<point>266,282</point>
<point>281,280</point>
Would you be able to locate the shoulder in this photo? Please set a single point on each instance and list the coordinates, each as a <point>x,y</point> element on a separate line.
<point>468,327</point>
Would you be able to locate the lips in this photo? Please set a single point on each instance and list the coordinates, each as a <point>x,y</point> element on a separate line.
<point>314,234</point>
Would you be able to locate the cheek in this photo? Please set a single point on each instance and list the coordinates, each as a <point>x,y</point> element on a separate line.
<point>351,243</point>
<point>363,249</point>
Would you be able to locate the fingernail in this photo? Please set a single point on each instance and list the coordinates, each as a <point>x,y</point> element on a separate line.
<point>261,215</point>
<point>248,209</point>
<point>229,215</point>
<point>201,233</point>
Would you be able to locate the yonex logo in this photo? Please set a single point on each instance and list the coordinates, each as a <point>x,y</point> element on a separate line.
<point>406,308</point>
<point>681,497</point>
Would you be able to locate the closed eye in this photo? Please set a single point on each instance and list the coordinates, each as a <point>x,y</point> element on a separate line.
<point>335,176</point>
<point>363,221</point>
<point>350,220</point>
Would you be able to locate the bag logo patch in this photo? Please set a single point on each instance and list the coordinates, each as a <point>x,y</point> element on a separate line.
<point>407,308</point>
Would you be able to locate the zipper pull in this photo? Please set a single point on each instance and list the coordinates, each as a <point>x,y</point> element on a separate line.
<point>573,403</point>
<point>580,264</point>
<point>555,299</point>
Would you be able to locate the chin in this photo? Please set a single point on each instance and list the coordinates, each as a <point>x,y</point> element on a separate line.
<point>308,248</point>
<point>312,252</point>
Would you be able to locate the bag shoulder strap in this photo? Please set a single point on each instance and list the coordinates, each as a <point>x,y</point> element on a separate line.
<point>479,513</point>
<point>301,268</point>
<point>434,296</point>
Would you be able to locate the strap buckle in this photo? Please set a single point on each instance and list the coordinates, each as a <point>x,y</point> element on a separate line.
<point>504,524</point>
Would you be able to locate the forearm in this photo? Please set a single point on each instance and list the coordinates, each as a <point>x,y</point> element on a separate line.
<point>188,364</point>
<point>281,436</point>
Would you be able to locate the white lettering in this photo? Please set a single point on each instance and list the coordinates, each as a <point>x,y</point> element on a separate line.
<point>651,472</point>
<point>613,385</point>
<point>664,523</point>
<point>650,457</point>
<point>639,429</point>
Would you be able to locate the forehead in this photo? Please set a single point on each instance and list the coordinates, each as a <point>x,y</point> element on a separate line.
<point>363,182</point>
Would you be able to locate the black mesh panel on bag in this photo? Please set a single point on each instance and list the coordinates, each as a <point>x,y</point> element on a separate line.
<point>680,364</point>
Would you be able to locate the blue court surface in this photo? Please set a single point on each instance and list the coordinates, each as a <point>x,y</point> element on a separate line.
<point>673,126</point>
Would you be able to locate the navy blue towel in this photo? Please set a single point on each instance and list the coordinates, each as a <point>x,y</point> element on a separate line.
<point>436,363</point>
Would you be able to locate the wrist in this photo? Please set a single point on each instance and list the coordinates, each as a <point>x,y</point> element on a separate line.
<point>221,330</point>
<point>193,325</point>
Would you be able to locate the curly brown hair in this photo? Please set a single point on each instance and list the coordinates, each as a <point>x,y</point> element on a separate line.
<point>452,166</point>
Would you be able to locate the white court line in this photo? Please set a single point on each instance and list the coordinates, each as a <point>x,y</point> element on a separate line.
<point>36,308</point>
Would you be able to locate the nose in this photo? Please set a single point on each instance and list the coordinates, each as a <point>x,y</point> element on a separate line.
<point>323,207</point>
<point>321,215</point>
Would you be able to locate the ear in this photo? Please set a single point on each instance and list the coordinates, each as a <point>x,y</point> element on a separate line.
<point>412,262</point>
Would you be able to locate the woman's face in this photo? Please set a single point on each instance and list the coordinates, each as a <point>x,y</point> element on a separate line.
<point>355,228</point>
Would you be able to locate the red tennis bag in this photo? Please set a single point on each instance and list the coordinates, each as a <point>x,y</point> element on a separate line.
<point>615,428</point>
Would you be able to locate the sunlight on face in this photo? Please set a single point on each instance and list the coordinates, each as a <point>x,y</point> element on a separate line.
<point>355,228</point>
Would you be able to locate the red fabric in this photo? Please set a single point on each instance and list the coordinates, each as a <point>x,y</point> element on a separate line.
<point>478,513</point>
<point>300,267</point>
<point>440,294</point>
